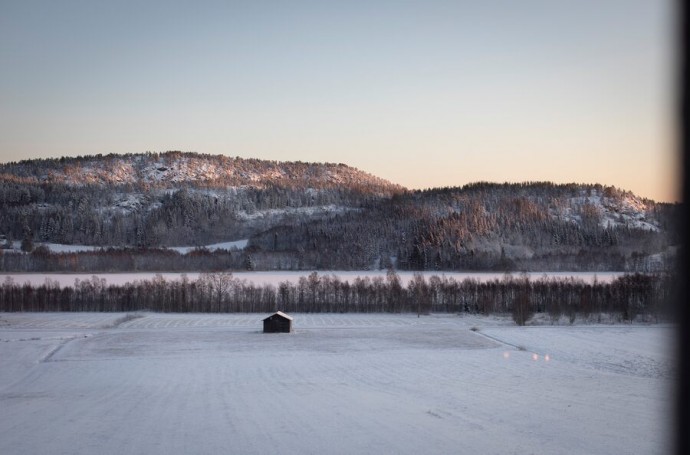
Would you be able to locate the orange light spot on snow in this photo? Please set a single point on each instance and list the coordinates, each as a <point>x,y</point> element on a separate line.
<point>535,357</point>
<point>506,355</point>
<point>547,357</point>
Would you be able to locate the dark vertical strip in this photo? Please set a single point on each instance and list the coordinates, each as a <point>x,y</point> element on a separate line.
<point>683,382</point>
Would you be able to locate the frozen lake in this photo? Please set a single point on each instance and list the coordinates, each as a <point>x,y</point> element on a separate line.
<point>84,383</point>
<point>275,278</point>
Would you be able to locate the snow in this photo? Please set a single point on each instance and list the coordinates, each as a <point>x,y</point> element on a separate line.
<point>628,210</point>
<point>339,384</point>
<point>320,210</point>
<point>65,248</point>
<point>127,203</point>
<point>276,277</point>
<point>235,245</point>
<point>58,247</point>
<point>280,313</point>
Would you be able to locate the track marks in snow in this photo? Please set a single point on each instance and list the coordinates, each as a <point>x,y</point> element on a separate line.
<point>168,321</point>
<point>60,321</point>
<point>302,321</point>
<point>63,342</point>
<point>637,351</point>
<point>340,384</point>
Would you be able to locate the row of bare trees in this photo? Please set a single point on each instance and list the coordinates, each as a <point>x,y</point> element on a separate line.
<point>628,297</point>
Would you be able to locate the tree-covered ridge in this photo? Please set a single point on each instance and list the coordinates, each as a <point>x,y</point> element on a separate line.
<point>171,198</point>
<point>328,216</point>
<point>482,226</point>
<point>176,169</point>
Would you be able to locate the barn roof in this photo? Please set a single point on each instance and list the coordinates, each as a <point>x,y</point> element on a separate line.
<point>281,314</point>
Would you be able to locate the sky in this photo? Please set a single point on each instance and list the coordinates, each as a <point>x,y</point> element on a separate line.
<point>422,93</point>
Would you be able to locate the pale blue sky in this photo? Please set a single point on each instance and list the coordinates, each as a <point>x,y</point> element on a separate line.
<point>426,93</point>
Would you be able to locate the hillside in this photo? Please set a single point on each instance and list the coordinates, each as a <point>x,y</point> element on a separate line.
<point>483,226</point>
<point>330,216</point>
<point>173,198</point>
<point>173,170</point>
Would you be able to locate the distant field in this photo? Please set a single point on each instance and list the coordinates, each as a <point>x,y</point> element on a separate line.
<point>275,278</point>
<point>111,383</point>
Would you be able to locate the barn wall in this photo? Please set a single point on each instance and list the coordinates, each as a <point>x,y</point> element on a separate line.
<point>277,325</point>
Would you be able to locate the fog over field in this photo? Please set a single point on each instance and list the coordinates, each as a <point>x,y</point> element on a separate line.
<point>112,383</point>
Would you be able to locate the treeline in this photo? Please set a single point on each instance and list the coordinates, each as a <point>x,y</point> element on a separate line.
<point>332,256</point>
<point>155,260</point>
<point>628,297</point>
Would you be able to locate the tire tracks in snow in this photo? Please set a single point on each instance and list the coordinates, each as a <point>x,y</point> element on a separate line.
<point>502,342</point>
<point>49,357</point>
<point>33,368</point>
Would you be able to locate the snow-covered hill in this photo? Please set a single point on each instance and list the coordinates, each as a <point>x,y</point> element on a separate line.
<point>612,210</point>
<point>172,169</point>
<point>321,215</point>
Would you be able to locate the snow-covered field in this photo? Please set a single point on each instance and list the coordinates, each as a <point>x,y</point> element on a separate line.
<point>277,277</point>
<point>236,245</point>
<point>339,384</point>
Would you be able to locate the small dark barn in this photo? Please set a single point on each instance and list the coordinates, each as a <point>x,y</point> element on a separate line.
<point>278,323</point>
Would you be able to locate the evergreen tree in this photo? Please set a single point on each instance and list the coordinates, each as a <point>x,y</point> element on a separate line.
<point>27,240</point>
